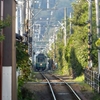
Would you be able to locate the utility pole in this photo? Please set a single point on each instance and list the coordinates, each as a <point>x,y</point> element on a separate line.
<point>22,17</point>
<point>98,30</point>
<point>70,24</point>
<point>27,31</point>
<point>31,29</point>
<point>47,4</point>
<point>54,44</point>
<point>89,32</point>
<point>65,19</point>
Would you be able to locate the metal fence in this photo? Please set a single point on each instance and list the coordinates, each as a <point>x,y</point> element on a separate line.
<point>93,79</point>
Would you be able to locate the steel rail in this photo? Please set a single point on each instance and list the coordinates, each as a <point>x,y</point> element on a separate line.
<point>50,87</point>
<point>77,96</point>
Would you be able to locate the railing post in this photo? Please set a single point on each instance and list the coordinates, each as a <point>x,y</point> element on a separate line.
<point>99,84</point>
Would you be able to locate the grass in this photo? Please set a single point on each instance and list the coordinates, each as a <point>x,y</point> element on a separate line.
<point>85,87</point>
<point>79,79</point>
<point>96,96</point>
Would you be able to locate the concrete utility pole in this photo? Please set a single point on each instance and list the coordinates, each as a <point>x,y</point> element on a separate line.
<point>47,4</point>
<point>30,24</point>
<point>65,19</point>
<point>89,32</point>
<point>22,17</point>
<point>70,24</point>
<point>98,29</point>
<point>54,44</point>
<point>26,14</point>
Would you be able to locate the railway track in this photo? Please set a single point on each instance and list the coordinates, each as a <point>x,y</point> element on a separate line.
<point>50,87</point>
<point>60,89</point>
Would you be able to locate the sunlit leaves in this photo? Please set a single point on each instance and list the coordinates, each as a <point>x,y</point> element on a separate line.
<point>23,65</point>
<point>2,37</point>
<point>80,13</point>
<point>98,43</point>
<point>4,23</point>
<point>22,58</point>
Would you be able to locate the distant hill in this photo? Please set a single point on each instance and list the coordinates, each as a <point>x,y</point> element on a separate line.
<point>51,13</point>
<point>56,6</point>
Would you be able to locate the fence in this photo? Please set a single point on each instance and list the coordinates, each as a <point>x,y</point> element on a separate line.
<point>93,79</point>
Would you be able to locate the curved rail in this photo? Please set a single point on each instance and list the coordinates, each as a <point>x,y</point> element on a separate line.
<point>50,87</point>
<point>77,96</point>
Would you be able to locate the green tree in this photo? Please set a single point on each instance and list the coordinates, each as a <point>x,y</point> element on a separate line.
<point>3,24</point>
<point>23,66</point>
<point>77,46</point>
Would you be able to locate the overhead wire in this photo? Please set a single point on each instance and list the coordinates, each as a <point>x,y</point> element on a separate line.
<point>52,15</point>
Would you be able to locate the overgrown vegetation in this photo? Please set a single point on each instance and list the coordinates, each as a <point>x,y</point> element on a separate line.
<point>77,45</point>
<point>73,58</point>
<point>24,68</point>
<point>4,23</point>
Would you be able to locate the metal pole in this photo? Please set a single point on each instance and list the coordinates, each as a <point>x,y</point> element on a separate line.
<point>54,46</point>
<point>28,27</point>
<point>47,4</point>
<point>22,18</point>
<point>97,17</point>
<point>65,15</point>
<point>70,24</point>
<point>89,33</point>
<point>99,61</point>
<point>30,24</point>
<point>98,29</point>
<point>27,21</point>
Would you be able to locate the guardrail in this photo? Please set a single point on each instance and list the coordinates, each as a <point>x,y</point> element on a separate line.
<point>92,78</point>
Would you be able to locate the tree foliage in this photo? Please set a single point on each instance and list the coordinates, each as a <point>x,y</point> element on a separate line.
<point>23,66</point>
<point>80,12</point>
<point>3,24</point>
<point>77,47</point>
<point>76,52</point>
<point>22,60</point>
